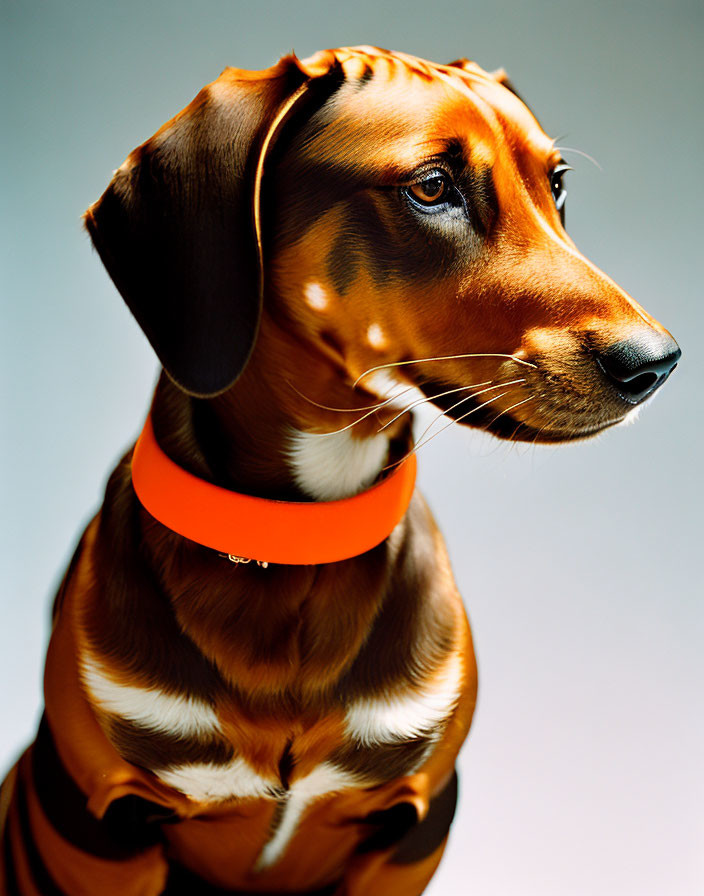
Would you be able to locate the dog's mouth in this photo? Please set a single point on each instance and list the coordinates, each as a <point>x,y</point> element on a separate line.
<point>476,411</point>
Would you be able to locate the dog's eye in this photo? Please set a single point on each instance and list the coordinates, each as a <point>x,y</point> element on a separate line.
<point>559,193</point>
<point>432,191</point>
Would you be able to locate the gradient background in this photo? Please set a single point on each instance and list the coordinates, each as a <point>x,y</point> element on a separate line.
<point>580,565</point>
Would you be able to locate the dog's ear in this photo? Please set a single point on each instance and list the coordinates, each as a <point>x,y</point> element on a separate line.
<point>178,227</point>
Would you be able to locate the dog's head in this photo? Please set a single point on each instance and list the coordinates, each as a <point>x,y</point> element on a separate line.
<point>402,219</point>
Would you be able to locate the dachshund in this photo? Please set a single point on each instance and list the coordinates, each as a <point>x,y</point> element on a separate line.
<point>260,672</point>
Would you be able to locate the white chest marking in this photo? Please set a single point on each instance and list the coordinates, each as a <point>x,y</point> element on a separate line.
<point>323,780</point>
<point>410,714</point>
<point>212,782</point>
<point>150,707</point>
<point>329,467</point>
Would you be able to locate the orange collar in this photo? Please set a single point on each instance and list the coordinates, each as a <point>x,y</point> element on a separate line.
<point>259,529</point>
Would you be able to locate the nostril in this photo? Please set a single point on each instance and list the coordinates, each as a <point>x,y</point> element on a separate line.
<point>639,366</point>
<point>641,383</point>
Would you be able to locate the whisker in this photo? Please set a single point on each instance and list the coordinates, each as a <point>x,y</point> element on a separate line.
<point>538,434</point>
<point>442,358</point>
<point>506,411</point>
<point>368,407</point>
<point>421,444</point>
<point>511,438</point>
<point>336,432</point>
<point>464,416</point>
<point>375,408</point>
<point>467,398</point>
<point>420,401</point>
<point>580,153</point>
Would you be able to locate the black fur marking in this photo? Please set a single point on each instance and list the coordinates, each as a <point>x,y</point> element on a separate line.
<point>286,764</point>
<point>123,832</point>
<point>13,887</point>
<point>391,826</point>
<point>380,763</point>
<point>484,203</point>
<point>423,839</point>
<point>366,77</point>
<point>344,261</point>
<point>389,240</point>
<point>399,826</point>
<point>157,750</point>
<point>42,879</point>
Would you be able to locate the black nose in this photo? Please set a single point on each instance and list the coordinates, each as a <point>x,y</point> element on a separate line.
<point>638,366</point>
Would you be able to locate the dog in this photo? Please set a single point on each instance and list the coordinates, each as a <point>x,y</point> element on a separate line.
<point>261,672</point>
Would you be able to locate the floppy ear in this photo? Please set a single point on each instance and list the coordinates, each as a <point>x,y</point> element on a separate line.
<point>178,227</point>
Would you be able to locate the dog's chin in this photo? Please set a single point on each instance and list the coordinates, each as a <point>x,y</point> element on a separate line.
<point>515,431</point>
<point>474,415</point>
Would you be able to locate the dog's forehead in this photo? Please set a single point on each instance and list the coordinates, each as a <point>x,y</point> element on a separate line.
<point>518,124</point>
<point>392,111</point>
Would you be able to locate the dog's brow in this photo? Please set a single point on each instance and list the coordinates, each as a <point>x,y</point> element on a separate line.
<point>450,150</point>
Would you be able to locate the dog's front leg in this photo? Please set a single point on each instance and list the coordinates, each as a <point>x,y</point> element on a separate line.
<point>383,877</point>
<point>53,844</point>
<point>407,839</point>
<point>406,865</point>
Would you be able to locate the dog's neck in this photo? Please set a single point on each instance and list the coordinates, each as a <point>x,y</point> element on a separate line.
<point>244,440</point>
<point>268,436</point>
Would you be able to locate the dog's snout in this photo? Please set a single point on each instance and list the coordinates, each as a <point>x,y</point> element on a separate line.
<point>638,366</point>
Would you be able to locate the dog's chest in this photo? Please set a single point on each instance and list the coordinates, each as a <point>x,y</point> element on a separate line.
<point>380,723</point>
<point>378,739</point>
<point>382,739</point>
<point>190,745</point>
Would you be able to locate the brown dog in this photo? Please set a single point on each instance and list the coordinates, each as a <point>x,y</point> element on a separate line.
<point>309,249</point>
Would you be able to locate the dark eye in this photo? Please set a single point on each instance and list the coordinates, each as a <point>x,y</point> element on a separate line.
<point>433,191</point>
<point>559,193</point>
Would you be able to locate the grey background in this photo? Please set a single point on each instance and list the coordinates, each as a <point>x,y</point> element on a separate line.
<point>580,565</point>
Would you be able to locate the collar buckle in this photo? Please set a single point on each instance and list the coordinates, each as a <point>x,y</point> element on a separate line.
<point>233,558</point>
